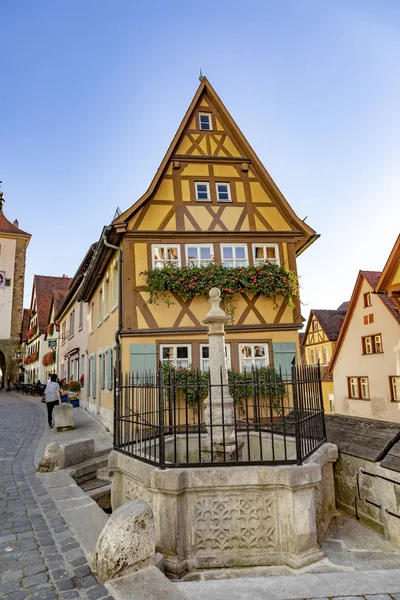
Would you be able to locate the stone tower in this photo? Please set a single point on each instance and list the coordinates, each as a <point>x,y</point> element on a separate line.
<point>13,245</point>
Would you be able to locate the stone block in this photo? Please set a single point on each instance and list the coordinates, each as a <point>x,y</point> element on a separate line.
<point>73,453</point>
<point>64,416</point>
<point>127,542</point>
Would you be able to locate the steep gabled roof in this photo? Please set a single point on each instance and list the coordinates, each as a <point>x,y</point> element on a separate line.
<point>392,264</point>
<point>25,322</point>
<point>45,286</point>
<point>344,307</point>
<point>308,235</point>
<point>9,228</point>
<point>76,281</point>
<point>330,320</point>
<point>372,277</point>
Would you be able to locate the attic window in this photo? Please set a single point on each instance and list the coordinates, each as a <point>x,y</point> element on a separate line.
<point>205,121</point>
<point>202,191</point>
<point>315,325</point>
<point>223,192</point>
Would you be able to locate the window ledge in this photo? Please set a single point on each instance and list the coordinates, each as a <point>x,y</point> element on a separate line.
<point>99,324</point>
<point>80,327</point>
<point>361,399</point>
<point>114,308</point>
<point>91,332</point>
<point>106,316</point>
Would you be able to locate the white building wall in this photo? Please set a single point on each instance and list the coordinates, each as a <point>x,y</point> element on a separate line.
<point>7,260</point>
<point>377,367</point>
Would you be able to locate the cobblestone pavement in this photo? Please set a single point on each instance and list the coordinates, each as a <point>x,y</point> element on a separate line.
<point>39,555</point>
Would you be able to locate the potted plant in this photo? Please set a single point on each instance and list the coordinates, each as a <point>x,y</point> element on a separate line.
<point>74,388</point>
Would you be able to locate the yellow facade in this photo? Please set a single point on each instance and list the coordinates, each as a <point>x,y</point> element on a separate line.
<point>318,348</point>
<point>249,213</point>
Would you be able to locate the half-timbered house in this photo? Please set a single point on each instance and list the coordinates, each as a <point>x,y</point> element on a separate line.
<point>211,202</point>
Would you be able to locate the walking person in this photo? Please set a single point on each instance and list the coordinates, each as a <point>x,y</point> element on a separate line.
<point>52,395</point>
<point>8,384</point>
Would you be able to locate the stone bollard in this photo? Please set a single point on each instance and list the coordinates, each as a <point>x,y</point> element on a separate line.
<point>64,416</point>
<point>51,459</point>
<point>127,543</point>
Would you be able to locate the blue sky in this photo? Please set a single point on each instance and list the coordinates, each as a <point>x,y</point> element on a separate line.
<point>92,92</point>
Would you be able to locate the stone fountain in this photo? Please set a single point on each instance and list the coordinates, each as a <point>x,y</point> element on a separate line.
<point>227,516</point>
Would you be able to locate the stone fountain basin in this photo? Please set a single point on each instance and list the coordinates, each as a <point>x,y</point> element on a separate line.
<point>232,516</point>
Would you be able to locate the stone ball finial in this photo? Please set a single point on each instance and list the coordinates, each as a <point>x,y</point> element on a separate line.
<point>214,293</point>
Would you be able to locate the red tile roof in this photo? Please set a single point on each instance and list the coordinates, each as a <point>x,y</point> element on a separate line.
<point>373,277</point>
<point>331,322</point>
<point>45,287</point>
<point>7,227</point>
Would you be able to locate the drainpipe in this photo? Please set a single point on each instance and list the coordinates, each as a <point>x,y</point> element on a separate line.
<point>119,326</point>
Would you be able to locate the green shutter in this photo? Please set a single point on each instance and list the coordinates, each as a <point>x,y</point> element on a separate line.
<point>284,353</point>
<point>89,374</point>
<point>93,376</point>
<point>109,369</point>
<point>143,358</point>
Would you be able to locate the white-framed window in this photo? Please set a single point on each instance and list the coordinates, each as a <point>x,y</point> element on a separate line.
<point>199,255</point>
<point>315,325</point>
<point>353,387</point>
<point>63,333</point>
<point>205,121</point>
<point>115,280</point>
<point>253,355</point>
<point>205,357</point>
<point>92,317</point>
<point>364,385</point>
<point>167,254</point>
<point>234,255</point>
<point>80,325</point>
<point>180,355</point>
<point>331,399</point>
<point>311,356</point>
<point>395,389</point>
<point>223,191</point>
<point>265,253</point>
<point>325,355</point>
<point>71,323</point>
<point>202,190</point>
<point>100,298</point>
<point>358,388</point>
<point>318,350</point>
<point>372,344</point>
<point>106,296</point>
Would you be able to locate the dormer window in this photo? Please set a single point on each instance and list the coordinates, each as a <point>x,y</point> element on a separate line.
<point>202,189</point>
<point>223,192</point>
<point>205,121</point>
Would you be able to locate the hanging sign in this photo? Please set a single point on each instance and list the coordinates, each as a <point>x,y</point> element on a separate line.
<point>2,279</point>
<point>52,343</point>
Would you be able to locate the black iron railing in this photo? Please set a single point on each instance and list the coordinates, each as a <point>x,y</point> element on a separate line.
<point>161,417</point>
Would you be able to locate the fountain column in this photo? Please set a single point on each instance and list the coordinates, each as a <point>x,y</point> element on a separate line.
<point>219,415</point>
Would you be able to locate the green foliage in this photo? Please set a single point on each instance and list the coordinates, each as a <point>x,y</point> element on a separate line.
<point>192,385</point>
<point>268,280</point>
<point>74,386</point>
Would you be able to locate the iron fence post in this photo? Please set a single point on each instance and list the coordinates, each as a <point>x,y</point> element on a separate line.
<point>321,398</point>
<point>160,382</point>
<point>297,415</point>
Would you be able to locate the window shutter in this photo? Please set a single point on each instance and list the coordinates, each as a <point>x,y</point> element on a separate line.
<point>109,369</point>
<point>93,376</point>
<point>284,353</point>
<point>89,375</point>
<point>143,358</point>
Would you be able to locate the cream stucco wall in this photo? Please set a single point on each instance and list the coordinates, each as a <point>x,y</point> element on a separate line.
<point>101,338</point>
<point>7,259</point>
<point>377,367</point>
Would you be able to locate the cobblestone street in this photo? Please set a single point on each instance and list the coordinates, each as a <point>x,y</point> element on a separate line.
<point>39,555</point>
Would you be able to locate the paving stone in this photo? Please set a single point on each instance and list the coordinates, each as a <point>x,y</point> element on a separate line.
<point>69,595</point>
<point>33,569</point>
<point>58,574</point>
<point>35,579</point>
<point>89,581</point>
<point>20,595</point>
<point>77,562</point>
<point>378,596</point>
<point>11,575</point>
<point>9,586</point>
<point>65,585</point>
<point>97,592</point>
<point>83,571</point>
